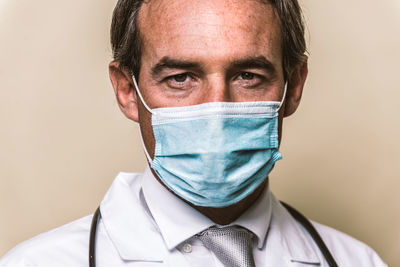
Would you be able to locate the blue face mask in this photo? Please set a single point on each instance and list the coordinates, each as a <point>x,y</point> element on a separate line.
<point>215,154</point>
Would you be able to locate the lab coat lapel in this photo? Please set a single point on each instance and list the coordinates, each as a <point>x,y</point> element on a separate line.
<point>287,244</point>
<point>127,222</point>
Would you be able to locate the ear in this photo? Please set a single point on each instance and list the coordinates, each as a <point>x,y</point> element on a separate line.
<point>296,81</point>
<point>124,90</point>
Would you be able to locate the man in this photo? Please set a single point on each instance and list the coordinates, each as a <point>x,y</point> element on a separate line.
<point>209,83</point>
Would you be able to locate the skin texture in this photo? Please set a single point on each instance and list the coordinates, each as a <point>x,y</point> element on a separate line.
<point>207,51</point>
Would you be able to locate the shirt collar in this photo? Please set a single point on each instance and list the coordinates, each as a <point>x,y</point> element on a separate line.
<point>187,221</point>
<point>176,220</point>
<point>258,217</point>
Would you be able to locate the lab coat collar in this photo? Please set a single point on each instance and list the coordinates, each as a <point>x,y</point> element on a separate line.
<point>287,236</point>
<point>127,220</point>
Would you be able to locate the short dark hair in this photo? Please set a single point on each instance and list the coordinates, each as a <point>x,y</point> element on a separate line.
<point>126,41</point>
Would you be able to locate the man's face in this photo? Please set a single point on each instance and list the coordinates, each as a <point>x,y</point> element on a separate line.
<point>195,52</point>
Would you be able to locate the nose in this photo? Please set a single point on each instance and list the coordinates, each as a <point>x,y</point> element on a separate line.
<point>216,90</point>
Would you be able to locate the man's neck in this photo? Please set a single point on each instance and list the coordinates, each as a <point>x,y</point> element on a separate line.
<point>225,215</point>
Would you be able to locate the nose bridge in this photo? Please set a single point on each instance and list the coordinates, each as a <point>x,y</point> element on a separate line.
<point>217,89</point>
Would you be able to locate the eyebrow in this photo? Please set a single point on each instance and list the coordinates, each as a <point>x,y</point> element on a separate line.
<point>258,62</point>
<point>170,63</point>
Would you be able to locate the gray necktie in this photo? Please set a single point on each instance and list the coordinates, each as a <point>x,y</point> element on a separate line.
<point>232,245</point>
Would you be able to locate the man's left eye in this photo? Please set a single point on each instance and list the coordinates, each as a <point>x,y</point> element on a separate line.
<point>247,76</point>
<point>248,80</point>
<point>180,78</point>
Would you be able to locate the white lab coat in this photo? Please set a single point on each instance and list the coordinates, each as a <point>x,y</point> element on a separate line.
<point>121,245</point>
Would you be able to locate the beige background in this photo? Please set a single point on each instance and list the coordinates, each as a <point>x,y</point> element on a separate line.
<point>63,139</point>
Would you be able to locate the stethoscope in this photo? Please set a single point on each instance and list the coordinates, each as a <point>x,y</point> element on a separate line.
<point>297,215</point>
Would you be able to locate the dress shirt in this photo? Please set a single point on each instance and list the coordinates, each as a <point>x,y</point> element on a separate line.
<point>178,223</point>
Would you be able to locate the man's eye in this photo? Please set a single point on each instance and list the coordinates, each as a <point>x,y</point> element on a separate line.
<point>249,80</point>
<point>180,78</point>
<point>181,81</point>
<point>247,76</point>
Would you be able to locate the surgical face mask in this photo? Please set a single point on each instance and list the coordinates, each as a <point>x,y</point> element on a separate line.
<point>214,154</point>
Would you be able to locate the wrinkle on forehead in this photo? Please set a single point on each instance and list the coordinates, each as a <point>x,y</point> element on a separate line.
<point>210,23</point>
<point>164,12</point>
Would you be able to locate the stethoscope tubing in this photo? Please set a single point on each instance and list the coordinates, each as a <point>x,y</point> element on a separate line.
<point>313,232</point>
<point>92,238</point>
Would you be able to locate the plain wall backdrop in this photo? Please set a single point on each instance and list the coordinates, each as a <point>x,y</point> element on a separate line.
<point>63,138</point>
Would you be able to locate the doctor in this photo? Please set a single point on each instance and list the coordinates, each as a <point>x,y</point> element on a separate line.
<point>209,83</point>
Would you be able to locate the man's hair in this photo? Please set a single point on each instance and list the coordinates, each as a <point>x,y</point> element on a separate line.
<point>126,41</point>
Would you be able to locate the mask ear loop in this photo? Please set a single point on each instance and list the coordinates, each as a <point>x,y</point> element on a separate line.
<point>283,98</point>
<point>140,95</point>
<point>150,110</point>
<point>144,147</point>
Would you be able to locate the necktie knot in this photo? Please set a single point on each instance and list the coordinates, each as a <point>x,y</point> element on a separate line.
<point>231,245</point>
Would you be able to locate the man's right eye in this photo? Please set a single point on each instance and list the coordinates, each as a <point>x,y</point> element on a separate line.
<point>182,81</point>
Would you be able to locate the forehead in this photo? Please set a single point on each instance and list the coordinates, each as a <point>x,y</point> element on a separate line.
<point>201,27</point>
